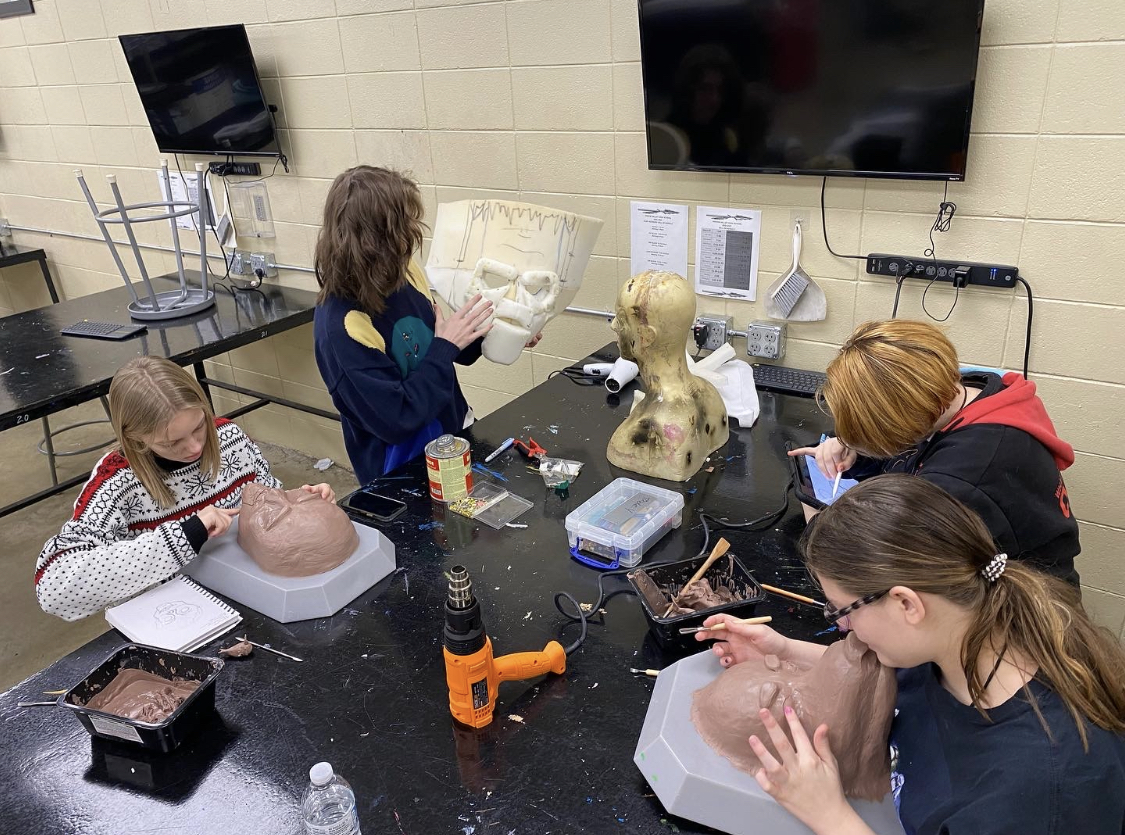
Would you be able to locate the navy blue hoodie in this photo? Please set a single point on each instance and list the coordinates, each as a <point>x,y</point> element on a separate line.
<point>390,377</point>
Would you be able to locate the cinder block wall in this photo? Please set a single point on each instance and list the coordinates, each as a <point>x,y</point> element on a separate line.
<point>541,100</point>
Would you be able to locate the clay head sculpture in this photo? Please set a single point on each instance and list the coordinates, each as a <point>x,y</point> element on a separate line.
<point>848,689</point>
<point>527,260</point>
<point>293,533</point>
<point>682,418</point>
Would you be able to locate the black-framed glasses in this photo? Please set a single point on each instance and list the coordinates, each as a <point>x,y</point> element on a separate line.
<point>839,617</point>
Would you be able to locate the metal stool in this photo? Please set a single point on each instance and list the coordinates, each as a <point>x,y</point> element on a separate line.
<point>47,445</point>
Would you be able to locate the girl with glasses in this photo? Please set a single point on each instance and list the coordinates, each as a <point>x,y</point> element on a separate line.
<point>1010,716</point>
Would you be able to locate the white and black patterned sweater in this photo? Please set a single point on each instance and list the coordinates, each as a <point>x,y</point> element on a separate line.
<point>120,541</point>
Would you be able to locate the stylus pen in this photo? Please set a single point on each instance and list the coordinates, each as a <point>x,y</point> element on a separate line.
<point>836,483</point>
<point>496,452</point>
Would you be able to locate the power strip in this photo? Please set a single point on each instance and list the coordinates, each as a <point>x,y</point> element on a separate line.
<point>238,169</point>
<point>929,269</point>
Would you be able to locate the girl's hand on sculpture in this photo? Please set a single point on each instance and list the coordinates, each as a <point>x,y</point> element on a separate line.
<point>216,519</point>
<point>743,641</point>
<point>468,324</point>
<point>803,775</point>
<point>322,490</point>
<point>832,456</point>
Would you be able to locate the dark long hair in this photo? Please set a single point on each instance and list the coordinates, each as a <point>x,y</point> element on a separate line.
<point>372,226</point>
<point>900,530</point>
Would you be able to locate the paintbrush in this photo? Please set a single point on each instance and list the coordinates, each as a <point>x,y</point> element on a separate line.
<point>271,649</point>
<point>691,630</point>
<point>721,548</point>
<point>792,595</point>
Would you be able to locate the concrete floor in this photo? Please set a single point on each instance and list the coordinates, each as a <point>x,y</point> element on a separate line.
<point>29,638</point>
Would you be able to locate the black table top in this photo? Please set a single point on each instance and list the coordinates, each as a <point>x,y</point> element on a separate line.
<point>371,696</point>
<point>42,371</point>
<point>11,255</point>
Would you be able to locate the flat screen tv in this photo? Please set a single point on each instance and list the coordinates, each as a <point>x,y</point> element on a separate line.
<point>864,88</point>
<point>200,91</point>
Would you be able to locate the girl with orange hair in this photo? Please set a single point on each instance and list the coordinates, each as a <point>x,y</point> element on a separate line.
<point>901,404</point>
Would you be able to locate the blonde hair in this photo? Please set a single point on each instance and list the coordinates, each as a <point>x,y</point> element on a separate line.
<point>144,396</point>
<point>900,530</point>
<point>889,384</point>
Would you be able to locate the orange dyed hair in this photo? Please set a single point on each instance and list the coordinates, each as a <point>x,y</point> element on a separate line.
<point>889,384</point>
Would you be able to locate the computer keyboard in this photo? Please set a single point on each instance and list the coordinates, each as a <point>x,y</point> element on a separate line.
<point>102,330</point>
<point>787,380</point>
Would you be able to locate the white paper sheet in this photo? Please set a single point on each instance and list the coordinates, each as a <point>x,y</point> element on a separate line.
<point>727,242</point>
<point>184,190</point>
<point>658,238</point>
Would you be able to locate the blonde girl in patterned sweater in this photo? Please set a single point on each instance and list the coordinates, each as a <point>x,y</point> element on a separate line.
<point>174,480</point>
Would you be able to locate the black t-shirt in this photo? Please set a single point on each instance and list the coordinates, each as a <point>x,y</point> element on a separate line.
<point>958,773</point>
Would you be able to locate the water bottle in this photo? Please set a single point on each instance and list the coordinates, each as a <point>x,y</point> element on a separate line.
<point>328,807</point>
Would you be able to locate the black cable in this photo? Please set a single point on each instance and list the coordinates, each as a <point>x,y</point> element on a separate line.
<point>824,226</point>
<point>1027,335</point>
<point>583,617</point>
<point>942,222</point>
<point>898,291</point>
<point>575,374</point>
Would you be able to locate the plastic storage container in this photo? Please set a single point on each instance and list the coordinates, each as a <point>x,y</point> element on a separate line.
<point>672,576</point>
<point>616,526</point>
<point>162,736</point>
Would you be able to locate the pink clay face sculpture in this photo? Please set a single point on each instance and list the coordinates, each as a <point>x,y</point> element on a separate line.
<point>293,533</point>
<point>847,689</point>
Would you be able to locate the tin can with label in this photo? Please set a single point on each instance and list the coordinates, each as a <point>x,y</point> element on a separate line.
<point>449,467</point>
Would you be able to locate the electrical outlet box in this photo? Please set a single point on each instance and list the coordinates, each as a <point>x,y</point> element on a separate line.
<point>766,339</point>
<point>240,263</point>
<point>262,263</point>
<point>932,269</point>
<point>712,332</point>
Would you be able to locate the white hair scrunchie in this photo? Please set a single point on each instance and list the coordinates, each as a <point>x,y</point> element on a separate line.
<point>995,568</point>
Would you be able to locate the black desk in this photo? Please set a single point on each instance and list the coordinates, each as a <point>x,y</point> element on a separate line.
<point>371,696</point>
<point>43,372</point>
<point>11,255</point>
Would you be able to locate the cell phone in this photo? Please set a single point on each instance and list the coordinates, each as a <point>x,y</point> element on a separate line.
<point>802,481</point>
<point>373,506</point>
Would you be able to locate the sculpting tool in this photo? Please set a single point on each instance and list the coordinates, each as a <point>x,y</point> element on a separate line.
<point>800,598</point>
<point>271,649</point>
<point>691,630</point>
<point>721,548</point>
<point>492,456</point>
<point>37,704</point>
<point>836,483</point>
<point>651,673</point>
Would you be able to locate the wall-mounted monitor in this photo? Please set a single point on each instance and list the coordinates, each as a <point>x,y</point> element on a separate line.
<point>201,92</point>
<point>868,88</point>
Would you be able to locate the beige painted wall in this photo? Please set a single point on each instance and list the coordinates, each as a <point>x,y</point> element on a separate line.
<point>541,100</point>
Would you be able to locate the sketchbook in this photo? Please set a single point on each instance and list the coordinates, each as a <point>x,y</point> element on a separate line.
<point>179,615</point>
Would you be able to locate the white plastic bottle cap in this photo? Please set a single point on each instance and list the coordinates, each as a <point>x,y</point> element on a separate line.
<point>321,774</point>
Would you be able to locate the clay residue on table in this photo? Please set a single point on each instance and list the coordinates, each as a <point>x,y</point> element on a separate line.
<point>135,694</point>
<point>847,689</point>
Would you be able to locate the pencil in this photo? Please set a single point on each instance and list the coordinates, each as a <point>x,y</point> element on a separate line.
<point>791,595</point>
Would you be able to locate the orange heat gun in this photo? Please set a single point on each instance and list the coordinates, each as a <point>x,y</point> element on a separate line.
<point>471,671</point>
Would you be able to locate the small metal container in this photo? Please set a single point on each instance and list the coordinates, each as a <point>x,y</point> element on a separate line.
<point>733,574</point>
<point>449,467</point>
<point>197,708</point>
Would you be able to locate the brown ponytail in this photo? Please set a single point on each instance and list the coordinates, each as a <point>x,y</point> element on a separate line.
<point>899,530</point>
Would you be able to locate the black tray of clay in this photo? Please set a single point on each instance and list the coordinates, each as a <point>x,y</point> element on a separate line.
<point>161,736</point>
<point>669,578</point>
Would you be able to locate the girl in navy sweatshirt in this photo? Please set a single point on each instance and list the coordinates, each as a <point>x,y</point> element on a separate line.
<point>383,347</point>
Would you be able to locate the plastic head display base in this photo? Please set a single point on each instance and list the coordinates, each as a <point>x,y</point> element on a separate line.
<point>695,782</point>
<point>223,567</point>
